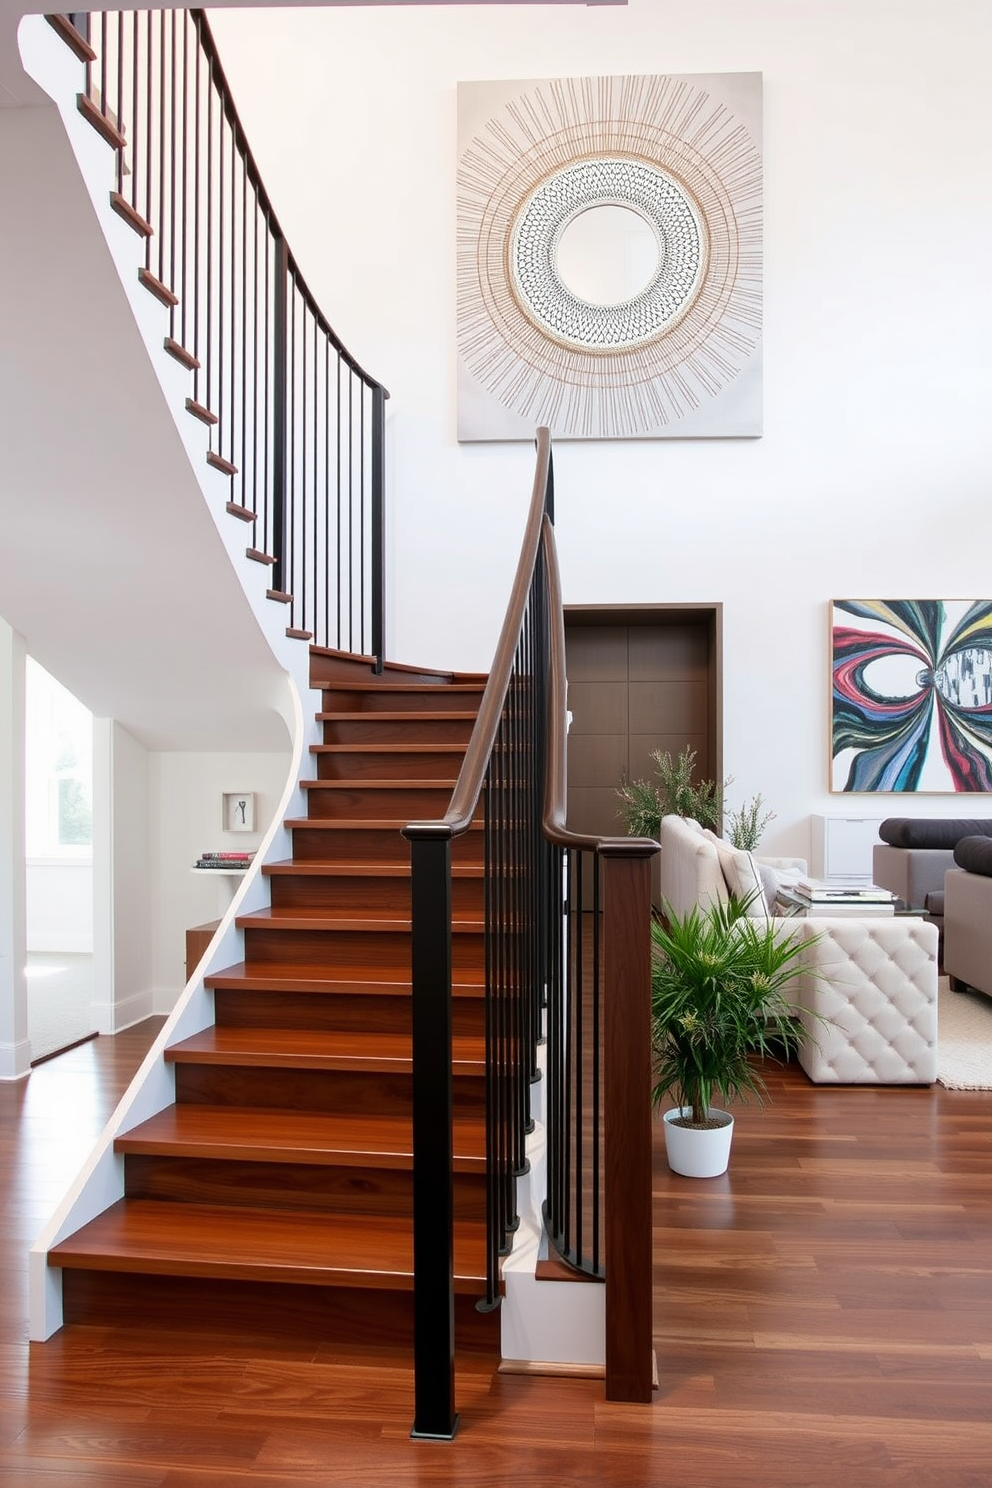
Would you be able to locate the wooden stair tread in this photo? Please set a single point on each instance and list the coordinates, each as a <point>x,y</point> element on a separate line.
<point>355,980</point>
<point>296,919</point>
<point>301,1048</point>
<point>357,868</point>
<point>381,685</point>
<point>319,1249</point>
<point>409,716</point>
<point>355,784</point>
<point>397,748</point>
<point>360,823</point>
<point>249,1134</point>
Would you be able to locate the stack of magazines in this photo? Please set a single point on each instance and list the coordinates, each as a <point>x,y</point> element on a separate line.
<point>837,897</point>
<point>228,862</point>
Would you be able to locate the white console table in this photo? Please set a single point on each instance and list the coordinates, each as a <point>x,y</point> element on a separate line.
<point>841,846</point>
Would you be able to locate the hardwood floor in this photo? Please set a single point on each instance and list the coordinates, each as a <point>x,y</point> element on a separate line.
<point>823,1315</point>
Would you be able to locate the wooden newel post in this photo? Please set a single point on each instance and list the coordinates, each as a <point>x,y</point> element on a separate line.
<point>627,1116</point>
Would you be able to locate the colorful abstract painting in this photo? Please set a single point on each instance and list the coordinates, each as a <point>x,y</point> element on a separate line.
<point>912,695</point>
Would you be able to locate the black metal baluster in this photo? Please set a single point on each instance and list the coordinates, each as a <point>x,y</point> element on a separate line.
<point>161,156</point>
<point>149,142</point>
<point>280,397</point>
<point>378,523</point>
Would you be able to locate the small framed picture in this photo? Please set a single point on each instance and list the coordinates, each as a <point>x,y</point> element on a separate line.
<point>239,811</point>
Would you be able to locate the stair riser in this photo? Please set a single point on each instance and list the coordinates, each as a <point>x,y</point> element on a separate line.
<point>343,1092</point>
<point>371,730</point>
<point>328,1319</point>
<point>361,893</point>
<point>384,699</point>
<point>386,951</point>
<point>336,1012</point>
<point>398,764</point>
<point>371,803</point>
<point>315,1187</point>
<point>373,845</point>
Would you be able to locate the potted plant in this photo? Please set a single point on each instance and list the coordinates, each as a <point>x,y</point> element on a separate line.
<point>718,1005</point>
<point>676,791</point>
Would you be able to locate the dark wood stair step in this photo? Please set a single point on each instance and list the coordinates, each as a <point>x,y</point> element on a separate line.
<point>325,839</point>
<point>360,1324</point>
<point>279,919</point>
<point>130,214</point>
<point>365,887</point>
<point>342,868</point>
<point>243,1244</point>
<point>162,292</point>
<point>103,125</point>
<point>314,1049</point>
<point>393,697</point>
<point>315,980</point>
<point>328,666</point>
<point>72,38</point>
<point>246,1134</point>
<point>377,761</point>
<point>433,726</point>
<point>372,799</point>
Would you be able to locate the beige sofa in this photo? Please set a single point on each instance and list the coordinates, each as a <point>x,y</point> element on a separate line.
<point>873,979</point>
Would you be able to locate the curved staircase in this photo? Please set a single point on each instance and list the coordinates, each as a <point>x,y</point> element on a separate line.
<point>281,1178</point>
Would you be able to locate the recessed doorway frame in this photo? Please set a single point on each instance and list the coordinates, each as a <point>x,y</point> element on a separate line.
<point>707,615</point>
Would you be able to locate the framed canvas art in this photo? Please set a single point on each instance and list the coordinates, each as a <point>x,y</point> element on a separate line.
<point>911,695</point>
<point>610,257</point>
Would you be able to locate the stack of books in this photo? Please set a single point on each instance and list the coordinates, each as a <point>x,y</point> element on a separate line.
<point>227,862</point>
<point>839,898</point>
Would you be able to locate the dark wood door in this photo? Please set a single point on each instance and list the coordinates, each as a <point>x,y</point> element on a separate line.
<point>638,681</point>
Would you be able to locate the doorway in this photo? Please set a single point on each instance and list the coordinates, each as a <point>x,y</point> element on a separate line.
<point>640,678</point>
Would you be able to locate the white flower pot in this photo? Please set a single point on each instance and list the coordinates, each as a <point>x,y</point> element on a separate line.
<point>694,1153</point>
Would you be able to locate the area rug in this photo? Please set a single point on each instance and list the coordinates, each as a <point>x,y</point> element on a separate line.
<point>60,991</point>
<point>964,1039</point>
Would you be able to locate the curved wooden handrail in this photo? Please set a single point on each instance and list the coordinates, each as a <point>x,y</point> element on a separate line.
<point>471,777</point>
<point>209,45</point>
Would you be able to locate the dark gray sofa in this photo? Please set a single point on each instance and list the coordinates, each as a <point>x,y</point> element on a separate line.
<point>968,916</point>
<point>916,852</point>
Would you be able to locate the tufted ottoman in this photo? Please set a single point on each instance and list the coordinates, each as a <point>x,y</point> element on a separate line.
<point>875,980</point>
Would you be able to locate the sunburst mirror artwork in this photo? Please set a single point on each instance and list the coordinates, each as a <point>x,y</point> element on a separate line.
<point>610,257</point>
<point>911,694</point>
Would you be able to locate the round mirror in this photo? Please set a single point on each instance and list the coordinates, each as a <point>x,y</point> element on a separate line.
<point>607,254</point>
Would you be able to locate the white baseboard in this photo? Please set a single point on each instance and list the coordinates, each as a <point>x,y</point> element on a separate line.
<point>114,1017</point>
<point>15,1060</point>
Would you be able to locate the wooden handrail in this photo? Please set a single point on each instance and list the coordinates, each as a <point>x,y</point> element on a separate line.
<point>471,776</point>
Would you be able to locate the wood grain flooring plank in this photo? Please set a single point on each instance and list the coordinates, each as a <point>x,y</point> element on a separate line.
<point>822,1316</point>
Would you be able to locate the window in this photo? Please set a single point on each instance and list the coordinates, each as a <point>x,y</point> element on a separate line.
<point>58,770</point>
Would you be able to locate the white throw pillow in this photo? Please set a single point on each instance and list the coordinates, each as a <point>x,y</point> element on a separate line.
<point>740,873</point>
<point>771,882</point>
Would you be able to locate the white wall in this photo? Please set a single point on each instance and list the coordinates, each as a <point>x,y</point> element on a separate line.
<point>60,904</point>
<point>15,1048</point>
<point>872,478</point>
<point>185,791</point>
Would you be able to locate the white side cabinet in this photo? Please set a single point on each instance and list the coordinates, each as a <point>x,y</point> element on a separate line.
<point>841,846</point>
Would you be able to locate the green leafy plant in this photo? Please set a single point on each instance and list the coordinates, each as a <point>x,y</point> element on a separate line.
<point>644,802</point>
<point>718,1003</point>
<point>675,793</point>
<point>744,828</point>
